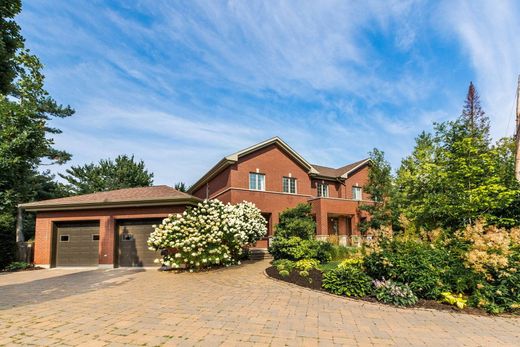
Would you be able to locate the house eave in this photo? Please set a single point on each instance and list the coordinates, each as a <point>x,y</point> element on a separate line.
<point>108,204</point>
<point>215,170</point>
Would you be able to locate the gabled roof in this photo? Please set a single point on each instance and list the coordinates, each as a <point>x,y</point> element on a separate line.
<point>233,158</point>
<point>342,172</point>
<point>142,196</point>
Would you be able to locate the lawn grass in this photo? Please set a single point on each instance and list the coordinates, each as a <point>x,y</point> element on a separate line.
<point>331,265</point>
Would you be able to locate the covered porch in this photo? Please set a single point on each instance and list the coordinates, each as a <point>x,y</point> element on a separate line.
<point>337,220</point>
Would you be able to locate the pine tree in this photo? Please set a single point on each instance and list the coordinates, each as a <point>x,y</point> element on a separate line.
<point>123,172</point>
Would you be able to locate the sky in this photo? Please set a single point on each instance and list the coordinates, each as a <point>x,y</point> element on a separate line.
<point>181,84</point>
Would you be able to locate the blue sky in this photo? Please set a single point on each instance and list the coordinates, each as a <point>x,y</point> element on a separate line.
<point>181,84</point>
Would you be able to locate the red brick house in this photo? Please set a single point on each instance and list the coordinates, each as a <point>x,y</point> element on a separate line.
<point>110,229</point>
<point>275,177</point>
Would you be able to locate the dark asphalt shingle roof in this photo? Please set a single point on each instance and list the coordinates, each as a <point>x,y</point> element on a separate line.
<point>331,172</point>
<point>162,192</point>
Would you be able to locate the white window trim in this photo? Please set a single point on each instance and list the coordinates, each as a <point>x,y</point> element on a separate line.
<point>256,175</point>
<point>289,179</point>
<point>320,192</point>
<point>360,190</point>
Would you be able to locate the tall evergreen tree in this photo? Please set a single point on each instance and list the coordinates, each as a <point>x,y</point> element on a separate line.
<point>108,174</point>
<point>25,134</point>
<point>453,176</point>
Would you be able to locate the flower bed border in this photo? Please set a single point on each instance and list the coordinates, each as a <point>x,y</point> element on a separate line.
<point>371,301</point>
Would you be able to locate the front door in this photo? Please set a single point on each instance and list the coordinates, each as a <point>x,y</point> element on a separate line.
<point>333,225</point>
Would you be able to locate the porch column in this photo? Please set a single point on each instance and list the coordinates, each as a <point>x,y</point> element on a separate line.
<point>342,221</point>
<point>356,235</point>
<point>322,231</point>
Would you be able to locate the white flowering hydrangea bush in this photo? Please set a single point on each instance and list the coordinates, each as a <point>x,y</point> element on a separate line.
<point>212,233</point>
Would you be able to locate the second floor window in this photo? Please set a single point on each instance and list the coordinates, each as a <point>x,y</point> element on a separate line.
<point>357,193</point>
<point>323,190</point>
<point>256,181</point>
<point>289,185</point>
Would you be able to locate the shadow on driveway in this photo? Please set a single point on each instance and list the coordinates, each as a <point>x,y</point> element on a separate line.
<point>58,287</point>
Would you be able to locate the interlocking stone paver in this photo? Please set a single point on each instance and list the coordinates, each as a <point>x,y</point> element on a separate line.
<point>232,307</point>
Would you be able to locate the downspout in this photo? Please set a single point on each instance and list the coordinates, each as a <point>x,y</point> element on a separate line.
<point>19,225</point>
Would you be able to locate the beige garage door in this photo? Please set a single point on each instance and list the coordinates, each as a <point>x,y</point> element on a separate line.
<point>77,244</point>
<point>133,250</point>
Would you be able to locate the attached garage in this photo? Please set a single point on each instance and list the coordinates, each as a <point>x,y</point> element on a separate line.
<point>132,238</point>
<point>77,244</point>
<point>106,229</point>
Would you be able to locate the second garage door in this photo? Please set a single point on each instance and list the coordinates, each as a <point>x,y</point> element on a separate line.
<point>77,244</point>
<point>133,249</point>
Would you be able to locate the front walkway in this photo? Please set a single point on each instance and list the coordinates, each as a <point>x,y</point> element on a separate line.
<point>236,306</point>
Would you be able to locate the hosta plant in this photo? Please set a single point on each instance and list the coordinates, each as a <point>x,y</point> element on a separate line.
<point>394,293</point>
<point>212,233</point>
<point>453,299</point>
<point>284,266</point>
<point>350,280</point>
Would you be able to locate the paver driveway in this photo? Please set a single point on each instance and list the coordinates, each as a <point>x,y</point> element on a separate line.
<point>235,306</point>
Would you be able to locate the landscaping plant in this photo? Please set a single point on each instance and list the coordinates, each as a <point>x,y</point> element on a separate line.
<point>394,293</point>
<point>17,266</point>
<point>211,233</point>
<point>349,280</point>
<point>420,264</point>
<point>453,299</point>
<point>295,248</point>
<point>294,237</point>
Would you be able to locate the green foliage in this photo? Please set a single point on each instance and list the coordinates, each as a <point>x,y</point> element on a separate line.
<point>7,239</point>
<point>456,176</point>
<point>380,187</point>
<point>285,266</point>
<point>11,42</point>
<point>17,266</point>
<point>123,172</point>
<point>331,265</point>
<point>297,222</point>
<point>394,293</point>
<point>423,266</point>
<point>348,280</point>
<point>295,248</point>
<point>307,264</point>
<point>501,292</point>
<point>456,300</point>
<point>181,187</point>
<point>26,137</point>
<point>339,252</point>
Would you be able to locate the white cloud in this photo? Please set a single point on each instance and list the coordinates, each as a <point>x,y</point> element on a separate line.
<point>488,31</point>
<point>186,83</point>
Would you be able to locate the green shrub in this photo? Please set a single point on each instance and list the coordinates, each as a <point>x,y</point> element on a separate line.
<point>295,248</point>
<point>394,293</point>
<point>7,239</point>
<point>499,294</point>
<point>422,265</point>
<point>307,264</point>
<point>297,222</point>
<point>348,280</point>
<point>17,266</point>
<point>284,273</point>
<point>284,265</point>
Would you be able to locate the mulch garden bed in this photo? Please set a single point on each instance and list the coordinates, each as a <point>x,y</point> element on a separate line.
<point>315,281</point>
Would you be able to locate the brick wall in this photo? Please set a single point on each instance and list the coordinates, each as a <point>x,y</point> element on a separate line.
<point>107,221</point>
